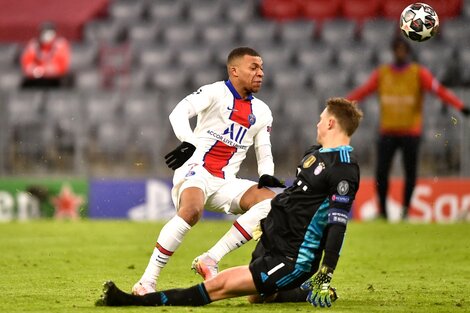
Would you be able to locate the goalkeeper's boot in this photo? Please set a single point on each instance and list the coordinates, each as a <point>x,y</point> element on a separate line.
<point>205,266</point>
<point>142,288</point>
<point>113,296</point>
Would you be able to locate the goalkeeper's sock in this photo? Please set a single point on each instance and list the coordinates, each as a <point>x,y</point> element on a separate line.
<point>241,230</point>
<point>168,241</point>
<point>193,296</point>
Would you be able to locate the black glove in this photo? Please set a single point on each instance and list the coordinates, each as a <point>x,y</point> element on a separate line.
<point>465,111</point>
<point>269,181</point>
<point>181,154</point>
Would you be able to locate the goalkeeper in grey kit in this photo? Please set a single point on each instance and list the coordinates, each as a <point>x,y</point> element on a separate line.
<point>301,236</point>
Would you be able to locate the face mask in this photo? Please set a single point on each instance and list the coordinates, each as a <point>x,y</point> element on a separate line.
<point>47,36</point>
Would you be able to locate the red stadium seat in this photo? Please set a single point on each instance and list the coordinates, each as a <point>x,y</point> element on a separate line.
<point>280,10</point>
<point>359,10</point>
<point>320,9</point>
<point>393,9</point>
<point>446,8</point>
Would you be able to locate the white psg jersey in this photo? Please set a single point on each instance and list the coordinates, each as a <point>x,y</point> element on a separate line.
<point>227,126</point>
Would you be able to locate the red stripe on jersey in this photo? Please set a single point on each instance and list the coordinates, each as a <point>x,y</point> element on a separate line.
<point>242,230</point>
<point>217,157</point>
<point>163,250</point>
<point>241,112</point>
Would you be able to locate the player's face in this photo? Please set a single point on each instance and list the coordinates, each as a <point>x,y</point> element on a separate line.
<point>400,53</point>
<point>250,73</point>
<point>322,126</point>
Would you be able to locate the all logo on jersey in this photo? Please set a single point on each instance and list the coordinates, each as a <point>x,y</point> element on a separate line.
<point>321,166</point>
<point>236,132</point>
<point>309,161</point>
<point>343,187</point>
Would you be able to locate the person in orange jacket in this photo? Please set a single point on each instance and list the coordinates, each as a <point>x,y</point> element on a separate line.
<point>45,61</point>
<point>400,87</point>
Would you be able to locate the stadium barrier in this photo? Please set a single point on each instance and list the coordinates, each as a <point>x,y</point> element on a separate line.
<point>24,198</point>
<point>138,200</point>
<point>438,200</point>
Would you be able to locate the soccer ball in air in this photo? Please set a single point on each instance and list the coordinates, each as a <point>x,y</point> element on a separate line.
<point>419,22</point>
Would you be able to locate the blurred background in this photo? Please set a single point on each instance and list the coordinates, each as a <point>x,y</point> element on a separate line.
<point>132,61</point>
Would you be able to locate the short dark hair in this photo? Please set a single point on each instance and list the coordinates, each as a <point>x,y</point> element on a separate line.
<point>240,52</point>
<point>346,113</point>
<point>400,41</point>
<point>47,26</point>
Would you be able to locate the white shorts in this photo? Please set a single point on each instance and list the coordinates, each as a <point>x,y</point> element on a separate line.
<point>222,195</point>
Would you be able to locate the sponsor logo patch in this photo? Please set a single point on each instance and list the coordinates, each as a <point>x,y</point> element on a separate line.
<point>309,161</point>
<point>343,187</point>
<point>340,199</point>
<point>319,168</point>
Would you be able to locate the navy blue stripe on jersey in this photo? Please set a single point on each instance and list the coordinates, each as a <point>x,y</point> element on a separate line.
<point>312,238</point>
<point>289,278</point>
<point>344,152</point>
<point>235,93</point>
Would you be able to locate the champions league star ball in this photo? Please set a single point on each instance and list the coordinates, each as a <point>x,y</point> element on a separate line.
<point>419,22</point>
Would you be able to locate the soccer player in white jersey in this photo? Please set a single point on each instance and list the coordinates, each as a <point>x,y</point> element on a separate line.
<point>229,120</point>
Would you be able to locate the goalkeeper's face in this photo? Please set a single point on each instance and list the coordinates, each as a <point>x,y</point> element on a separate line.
<point>323,126</point>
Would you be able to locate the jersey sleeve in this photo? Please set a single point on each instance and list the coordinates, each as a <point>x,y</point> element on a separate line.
<point>430,83</point>
<point>189,107</point>
<point>60,62</point>
<point>28,59</point>
<point>262,144</point>
<point>202,98</point>
<point>366,89</point>
<point>343,183</point>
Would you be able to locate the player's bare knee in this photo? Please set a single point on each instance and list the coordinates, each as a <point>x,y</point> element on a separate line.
<point>255,195</point>
<point>191,205</point>
<point>190,214</point>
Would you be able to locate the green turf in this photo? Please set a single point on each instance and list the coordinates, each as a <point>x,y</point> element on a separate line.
<point>52,266</point>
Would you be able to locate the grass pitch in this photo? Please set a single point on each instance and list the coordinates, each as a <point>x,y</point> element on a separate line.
<point>51,266</point>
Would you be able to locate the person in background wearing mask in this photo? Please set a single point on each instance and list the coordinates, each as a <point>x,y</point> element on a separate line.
<point>45,60</point>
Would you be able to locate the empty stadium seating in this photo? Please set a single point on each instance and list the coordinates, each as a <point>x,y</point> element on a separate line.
<point>280,10</point>
<point>311,50</point>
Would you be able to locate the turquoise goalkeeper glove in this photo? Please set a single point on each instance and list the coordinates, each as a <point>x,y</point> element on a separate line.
<point>319,286</point>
